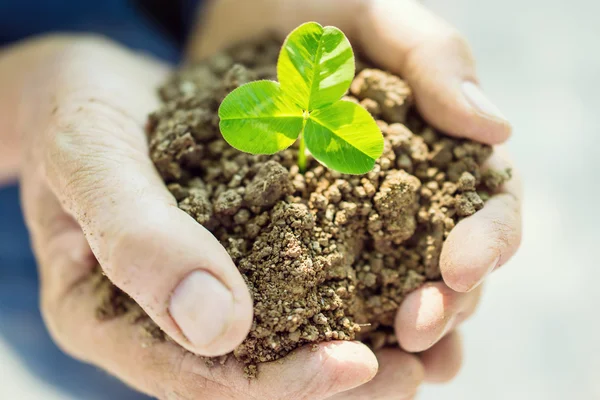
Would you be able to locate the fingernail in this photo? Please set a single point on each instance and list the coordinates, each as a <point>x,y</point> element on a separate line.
<point>480,102</point>
<point>202,307</point>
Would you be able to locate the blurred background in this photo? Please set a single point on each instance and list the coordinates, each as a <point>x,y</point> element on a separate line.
<point>536,334</point>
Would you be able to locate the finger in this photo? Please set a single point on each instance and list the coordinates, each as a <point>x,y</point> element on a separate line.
<point>163,369</point>
<point>430,312</point>
<point>406,38</point>
<point>442,362</point>
<point>399,377</point>
<point>95,160</point>
<point>487,239</point>
<point>167,371</point>
<point>333,368</point>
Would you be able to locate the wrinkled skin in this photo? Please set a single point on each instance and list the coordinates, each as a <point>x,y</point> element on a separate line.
<point>76,109</point>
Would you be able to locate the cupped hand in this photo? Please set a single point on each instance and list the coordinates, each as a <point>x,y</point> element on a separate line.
<point>406,38</point>
<point>90,192</point>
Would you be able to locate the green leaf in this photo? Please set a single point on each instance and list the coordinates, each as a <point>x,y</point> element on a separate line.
<point>257,118</point>
<point>315,69</point>
<point>344,137</point>
<point>316,65</point>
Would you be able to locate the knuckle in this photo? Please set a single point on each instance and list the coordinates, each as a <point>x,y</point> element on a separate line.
<point>126,244</point>
<point>74,168</point>
<point>79,159</point>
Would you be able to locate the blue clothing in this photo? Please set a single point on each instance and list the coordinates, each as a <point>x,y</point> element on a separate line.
<point>117,19</point>
<point>20,320</point>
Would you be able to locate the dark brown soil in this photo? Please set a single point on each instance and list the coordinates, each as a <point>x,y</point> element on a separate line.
<point>326,256</point>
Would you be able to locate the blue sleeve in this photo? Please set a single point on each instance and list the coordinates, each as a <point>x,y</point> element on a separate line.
<point>119,20</point>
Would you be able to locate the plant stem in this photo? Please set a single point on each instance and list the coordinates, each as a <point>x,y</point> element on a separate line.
<point>302,154</point>
<point>302,148</point>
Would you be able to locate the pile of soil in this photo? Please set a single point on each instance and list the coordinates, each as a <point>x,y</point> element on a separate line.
<point>325,256</point>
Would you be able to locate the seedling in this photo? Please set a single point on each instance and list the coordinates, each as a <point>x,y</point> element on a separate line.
<point>315,69</point>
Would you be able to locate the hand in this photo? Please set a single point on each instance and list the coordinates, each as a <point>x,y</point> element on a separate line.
<point>90,192</point>
<point>404,37</point>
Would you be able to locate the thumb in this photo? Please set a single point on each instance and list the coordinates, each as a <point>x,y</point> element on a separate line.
<point>94,154</point>
<point>406,38</point>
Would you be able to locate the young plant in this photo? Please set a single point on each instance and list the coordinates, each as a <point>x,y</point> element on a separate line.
<point>315,69</point>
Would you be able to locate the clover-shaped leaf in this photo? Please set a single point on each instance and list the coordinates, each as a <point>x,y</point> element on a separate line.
<point>258,118</point>
<point>315,66</point>
<point>315,69</point>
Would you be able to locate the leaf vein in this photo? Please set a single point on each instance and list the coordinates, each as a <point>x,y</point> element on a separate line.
<point>324,125</point>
